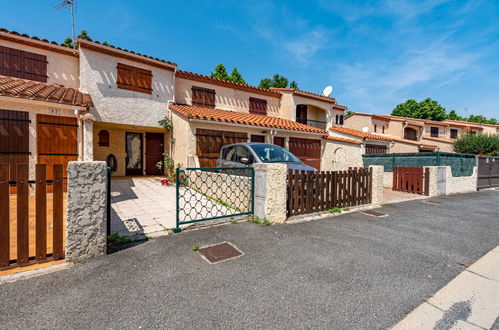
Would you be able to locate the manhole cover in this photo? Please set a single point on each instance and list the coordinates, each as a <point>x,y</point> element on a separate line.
<point>434,202</point>
<point>373,213</point>
<point>220,252</point>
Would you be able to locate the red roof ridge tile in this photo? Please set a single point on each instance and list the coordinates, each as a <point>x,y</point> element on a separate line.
<point>202,113</point>
<point>364,135</point>
<point>35,90</point>
<point>60,46</point>
<point>340,139</point>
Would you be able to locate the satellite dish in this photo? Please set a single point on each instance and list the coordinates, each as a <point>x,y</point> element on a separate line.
<point>365,129</point>
<point>327,91</point>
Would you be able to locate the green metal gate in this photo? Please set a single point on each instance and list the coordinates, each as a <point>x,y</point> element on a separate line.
<point>205,194</point>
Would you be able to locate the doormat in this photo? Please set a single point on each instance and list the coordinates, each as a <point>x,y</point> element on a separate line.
<point>373,213</point>
<point>434,202</point>
<point>220,252</point>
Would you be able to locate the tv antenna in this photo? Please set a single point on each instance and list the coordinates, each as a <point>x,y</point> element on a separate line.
<point>69,4</point>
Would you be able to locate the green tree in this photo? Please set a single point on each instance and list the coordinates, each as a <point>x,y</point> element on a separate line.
<point>68,42</point>
<point>293,84</point>
<point>235,76</point>
<point>220,72</point>
<point>426,109</point>
<point>84,35</point>
<point>279,81</point>
<point>477,144</point>
<point>454,116</point>
<point>265,83</point>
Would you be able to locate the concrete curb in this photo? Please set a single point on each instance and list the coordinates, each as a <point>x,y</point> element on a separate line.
<point>34,273</point>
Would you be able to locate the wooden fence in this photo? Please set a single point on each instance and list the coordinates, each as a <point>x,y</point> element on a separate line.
<point>24,235</point>
<point>312,192</point>
<point>414,180</point>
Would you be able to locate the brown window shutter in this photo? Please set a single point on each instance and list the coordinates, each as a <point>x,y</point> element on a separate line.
<point>143,79</point>
<point>125,77</point>
<point>209,98</point>
<point>11,62</point>
<point>258,106</point>
<point>197,96</point>
<point>34,67</point>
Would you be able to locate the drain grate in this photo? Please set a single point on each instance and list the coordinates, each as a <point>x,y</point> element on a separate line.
<point>435,202</point>
<point>373,213</point>
<point>220,252</point>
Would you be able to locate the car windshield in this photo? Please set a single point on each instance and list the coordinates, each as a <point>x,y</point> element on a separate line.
<point>273,154</point>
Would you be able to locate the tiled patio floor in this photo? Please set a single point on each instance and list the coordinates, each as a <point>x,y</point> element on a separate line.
<point>142,206</point>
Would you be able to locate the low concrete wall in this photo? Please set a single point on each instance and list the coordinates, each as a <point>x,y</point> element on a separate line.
<point>443,183</point>
<point>270,192</point>
<point>377,184</point>
<point>231,189</point>
<point>86,230</point>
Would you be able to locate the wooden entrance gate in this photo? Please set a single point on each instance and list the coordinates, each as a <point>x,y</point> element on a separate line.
<point>209,142</point>
<point>14,139</point>
<point>414,180</point>
<point>31,225</point>
<point>56,140</point>
<point>312,192</point>
<point>488,172</point>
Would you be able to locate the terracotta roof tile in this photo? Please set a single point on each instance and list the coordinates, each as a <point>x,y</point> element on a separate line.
<point>34,90</point>
<point>438,139</point>
<point>202,113</point>
<point>340,139</point>
<point>396,139</point>
<point>354,132</point>
<point>230,84</point>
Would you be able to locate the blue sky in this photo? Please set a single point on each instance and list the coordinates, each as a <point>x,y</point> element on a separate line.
<point>376,54</point>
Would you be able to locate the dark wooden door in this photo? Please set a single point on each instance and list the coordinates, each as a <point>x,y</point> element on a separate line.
<point>56,140</point>
<point>155,147</point>
<point>279,141</point>
<point>14,139</point>
<point>209,142</point>
<point>258,138</point>
<point>133,149</point>
<point>308,150</point>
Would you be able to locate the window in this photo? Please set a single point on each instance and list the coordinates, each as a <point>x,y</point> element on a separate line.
<point>257,106</point>
<point>273,154</point>
<point>434,131</point>
<point>341,119</point>
<point>20,64</point>
<point>473,133</point>
<point>236,153</point>
<point>383,129</point>
<point>301,113</point>
<point>103,138</point>
<point>203,97</point>
<point>375,128</point>
<point>134,79</point>
<point>257,138</point>
<point>453,133</point>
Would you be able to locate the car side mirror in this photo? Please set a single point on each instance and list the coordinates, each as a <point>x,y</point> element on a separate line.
<point>244,160</point>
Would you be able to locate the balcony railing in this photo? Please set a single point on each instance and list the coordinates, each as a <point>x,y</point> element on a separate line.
<point>313,123</point>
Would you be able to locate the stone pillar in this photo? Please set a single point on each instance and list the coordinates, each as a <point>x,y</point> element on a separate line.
<point>88,137</point>
<point>433,185</point>
<point>377,188</point>
<point>86,230</point>
<point>270,192</point>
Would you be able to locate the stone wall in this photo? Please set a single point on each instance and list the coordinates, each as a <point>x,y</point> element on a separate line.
<point>377,184</point>
<point>86,230</point>
<point>270,192</point>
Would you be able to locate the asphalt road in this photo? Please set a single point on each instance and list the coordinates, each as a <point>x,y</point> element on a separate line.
<point>347,272</point>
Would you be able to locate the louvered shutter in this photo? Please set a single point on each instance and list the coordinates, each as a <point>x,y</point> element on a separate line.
<point>197,96</point>
<point>258,106</point>
<point>125,77</point>
<point>143,80</point>
<point>34,67</point>
<point>209,98</point>
<point>11,62</point>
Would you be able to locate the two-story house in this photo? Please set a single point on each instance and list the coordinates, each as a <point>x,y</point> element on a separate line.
<point>130,94</point>
<point>41,106</point>
<point>209,113</point>
<point>415,135</point>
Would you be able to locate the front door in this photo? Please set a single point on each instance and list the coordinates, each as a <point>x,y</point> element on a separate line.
<point>133,148</point>
<point>155,147</point>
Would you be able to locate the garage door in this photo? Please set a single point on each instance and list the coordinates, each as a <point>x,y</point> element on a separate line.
<point>209,142</point>
<point>14,139</point>
<point>308,150</point>
<point>56,140</point>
